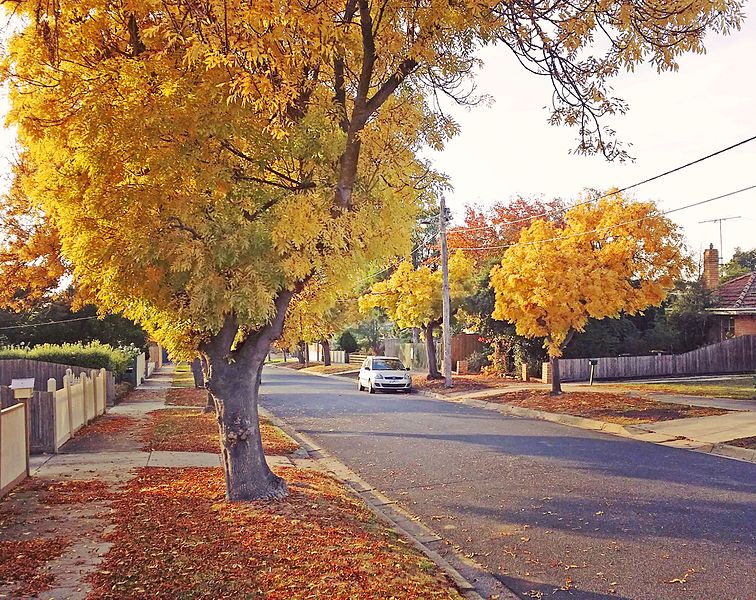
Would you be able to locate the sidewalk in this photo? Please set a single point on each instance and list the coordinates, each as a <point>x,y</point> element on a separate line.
<point>88,470</point>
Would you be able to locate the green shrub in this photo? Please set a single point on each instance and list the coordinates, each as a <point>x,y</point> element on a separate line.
<point>94,355</point>
<point>477,360</point>
<point>347,342</point>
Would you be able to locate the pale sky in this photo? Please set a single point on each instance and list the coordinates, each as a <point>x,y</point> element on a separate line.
<point>509,148</point>
<point>709,104</point>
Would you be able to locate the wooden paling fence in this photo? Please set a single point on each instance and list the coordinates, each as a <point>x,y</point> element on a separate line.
<point>737,355</point>
<point>42,371</point>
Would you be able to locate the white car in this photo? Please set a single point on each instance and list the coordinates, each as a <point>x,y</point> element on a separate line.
<point>383,373</point>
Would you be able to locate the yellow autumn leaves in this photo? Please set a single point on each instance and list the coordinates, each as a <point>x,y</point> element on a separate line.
<point>609,257</point>
<point>412,297</point>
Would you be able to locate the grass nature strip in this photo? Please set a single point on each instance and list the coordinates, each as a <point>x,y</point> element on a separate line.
<point>188,430</point>
<point>623,409</point>
<point>176,537</point>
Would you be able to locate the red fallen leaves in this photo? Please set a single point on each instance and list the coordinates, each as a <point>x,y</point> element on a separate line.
<point>186,397</point>
<point>107,425</point>
<point>185,430</point>
<point>73,491</point>
<point>21,561</point>
<point>176,537</point>
<point>614,408</point>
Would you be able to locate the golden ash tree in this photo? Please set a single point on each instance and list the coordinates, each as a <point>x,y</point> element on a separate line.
<point>202,163</point>
<point>412,298</point>
<point>611,257</point>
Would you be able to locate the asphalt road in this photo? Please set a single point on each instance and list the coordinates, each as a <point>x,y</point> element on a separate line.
<point>553,512</point>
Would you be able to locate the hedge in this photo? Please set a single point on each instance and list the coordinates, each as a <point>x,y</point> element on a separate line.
<point>94,355</point>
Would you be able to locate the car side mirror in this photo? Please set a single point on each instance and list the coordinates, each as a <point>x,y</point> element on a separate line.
<point>367,368</point>
<point>406,368</point>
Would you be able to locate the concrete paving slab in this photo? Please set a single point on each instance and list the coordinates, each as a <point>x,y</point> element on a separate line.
<point>183,459</point>
<point>720,428</point>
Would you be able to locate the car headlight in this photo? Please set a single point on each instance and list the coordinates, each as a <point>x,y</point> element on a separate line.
<point>378,376</point>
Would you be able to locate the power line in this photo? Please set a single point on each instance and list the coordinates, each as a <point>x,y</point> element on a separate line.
<point>46,323</point>
<point>619,191</point>
<point>564,237</point>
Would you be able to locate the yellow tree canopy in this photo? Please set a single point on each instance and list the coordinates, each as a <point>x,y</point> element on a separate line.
<point>412,297</point>
<point>612,256</point>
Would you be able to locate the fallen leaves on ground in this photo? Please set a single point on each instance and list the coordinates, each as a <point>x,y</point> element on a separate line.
<point>72,491</point>
<point>176,537</point>
<point>107,425</point>
<point>183,376</point>
<point>22,560</point>
<point>186,397</point>
<point>188,430</point>
<point>461,383</point>
<point>746,442</point>
<point>623,409</point>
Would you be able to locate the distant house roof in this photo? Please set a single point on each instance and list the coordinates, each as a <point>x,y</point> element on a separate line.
<point>737,296</point>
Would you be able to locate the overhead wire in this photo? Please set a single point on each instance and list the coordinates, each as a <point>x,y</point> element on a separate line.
<point>609,228</point>
<point>46,323</point>
<point>609,194</point>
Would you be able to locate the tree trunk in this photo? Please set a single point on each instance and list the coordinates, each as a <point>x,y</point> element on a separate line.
<point>210,403</point>
<point>326,345</point>
<point>235,387</point>
<point>234,371</point>
<point>301,353</point>
<point>430,348</point>
<point>556,382</point>
<point>197,372</point>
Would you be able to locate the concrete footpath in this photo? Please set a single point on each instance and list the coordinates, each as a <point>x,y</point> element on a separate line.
<point>105,452</point>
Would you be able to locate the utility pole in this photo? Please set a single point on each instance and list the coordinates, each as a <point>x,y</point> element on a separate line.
<point>721,247</point>
<point>445,293</point>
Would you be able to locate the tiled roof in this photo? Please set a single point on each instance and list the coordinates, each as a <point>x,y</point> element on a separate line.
<point>738,293</point>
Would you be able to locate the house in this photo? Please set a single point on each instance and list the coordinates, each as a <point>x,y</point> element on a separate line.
<point>734,308</point>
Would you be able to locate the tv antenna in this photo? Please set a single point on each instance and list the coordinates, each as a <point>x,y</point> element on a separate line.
<point>721,247</point>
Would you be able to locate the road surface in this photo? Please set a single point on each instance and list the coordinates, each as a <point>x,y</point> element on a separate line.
<point>551,511</point>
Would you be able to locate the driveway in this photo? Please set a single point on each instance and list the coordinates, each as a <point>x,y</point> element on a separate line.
<point>551,511</point>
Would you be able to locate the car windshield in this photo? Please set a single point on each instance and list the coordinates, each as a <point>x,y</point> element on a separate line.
<point>387,364</point>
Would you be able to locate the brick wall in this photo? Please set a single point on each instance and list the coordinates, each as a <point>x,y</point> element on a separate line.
<point>745,325</point>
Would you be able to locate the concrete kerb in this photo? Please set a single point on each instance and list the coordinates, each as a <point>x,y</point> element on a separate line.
<point>459,568</point>
<point>628,431</point>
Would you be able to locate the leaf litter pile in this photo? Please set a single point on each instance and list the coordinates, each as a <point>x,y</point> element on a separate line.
<point>186,397</point>
<point>623,409</point>
<point>71,491</point>
<point>107,425</point>
<point>22,560</point>
<point>176,537</point>
<point>186,430</point>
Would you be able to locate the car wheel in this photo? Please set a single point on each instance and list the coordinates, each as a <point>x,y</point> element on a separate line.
<point>359,386</point>
<point>371,389</point>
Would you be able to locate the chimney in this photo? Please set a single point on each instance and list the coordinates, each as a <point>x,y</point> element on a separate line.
<point>711,268</point>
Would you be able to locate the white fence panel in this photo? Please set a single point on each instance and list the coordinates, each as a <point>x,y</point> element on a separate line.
<point>13,446</point>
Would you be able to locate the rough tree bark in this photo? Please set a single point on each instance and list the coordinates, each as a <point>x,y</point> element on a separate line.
<point>234,383</point>
<point>210,403</point>
<point>556,378</point>
<point>326,345</point>
<point>301,346</point>
<point>430,347</point>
